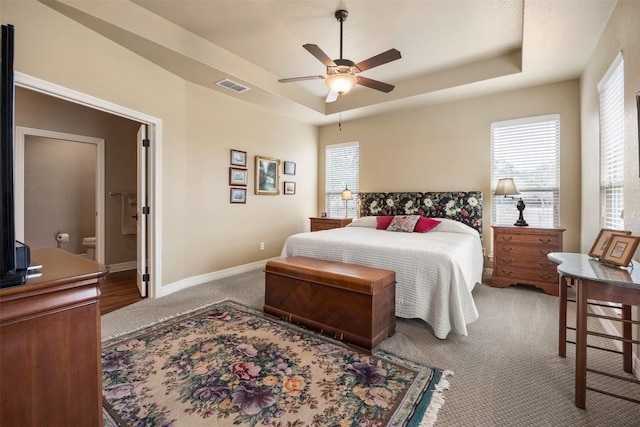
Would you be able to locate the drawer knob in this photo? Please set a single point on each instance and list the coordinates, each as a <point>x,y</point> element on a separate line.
<point>547,240</point>
<point>546,276</point>
<point>507,273</point>
<point>544,252</point>
<point>507,248</point>
<point>506,238</point>
<point>507,260</point>
<point>545,264</point>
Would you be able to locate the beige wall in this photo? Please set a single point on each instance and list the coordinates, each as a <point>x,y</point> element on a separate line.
<point>201,231</point>
<point>622,34</point>
<point>447,147</point>
<point>39,111</point>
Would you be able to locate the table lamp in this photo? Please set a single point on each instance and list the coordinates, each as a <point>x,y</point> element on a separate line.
<point>346,196</point>
<point>506,187</point>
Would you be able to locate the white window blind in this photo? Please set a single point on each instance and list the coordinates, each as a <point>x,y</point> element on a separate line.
<point>343,167</point>
<point>527,150</point>
<point>612,146</point>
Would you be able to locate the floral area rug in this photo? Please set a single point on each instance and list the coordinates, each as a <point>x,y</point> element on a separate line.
<point>230,365</point>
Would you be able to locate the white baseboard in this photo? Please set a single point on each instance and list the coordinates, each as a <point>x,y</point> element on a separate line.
<point>610,329</point>
<point>122,266</point>
<point>208,277</point>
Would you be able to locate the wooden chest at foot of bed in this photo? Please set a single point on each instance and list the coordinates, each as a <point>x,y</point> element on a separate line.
<point>350,302</point>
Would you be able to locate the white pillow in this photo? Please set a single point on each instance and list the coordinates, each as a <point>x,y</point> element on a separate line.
<point>365,221</point>
<point>454,226</point>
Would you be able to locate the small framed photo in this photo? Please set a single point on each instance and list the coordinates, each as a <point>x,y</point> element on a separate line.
<point>238,176</point>
<point>239,158</point>
<point>600,245</point>
<point>620,250</point>
<point>267,176</point>
<point>238,195</point>
<point>289,168</point>
<point>289,187</point>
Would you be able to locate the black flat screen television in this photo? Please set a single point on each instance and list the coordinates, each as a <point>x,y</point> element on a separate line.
<point>14,256</point>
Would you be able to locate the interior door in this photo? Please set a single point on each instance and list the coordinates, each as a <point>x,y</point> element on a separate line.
<point>141,212</point>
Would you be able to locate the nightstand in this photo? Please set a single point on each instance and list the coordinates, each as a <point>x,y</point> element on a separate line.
<point>520,257</point>
<point>318,224</point>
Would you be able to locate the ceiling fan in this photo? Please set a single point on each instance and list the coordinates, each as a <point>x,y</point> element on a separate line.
<point>342,73</point>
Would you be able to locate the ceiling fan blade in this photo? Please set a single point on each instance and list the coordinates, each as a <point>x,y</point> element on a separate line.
<point>375,84</point>
<point>382,58</point>
<point>318,53</point>
<point>299,79</point>
<point>332,96</point>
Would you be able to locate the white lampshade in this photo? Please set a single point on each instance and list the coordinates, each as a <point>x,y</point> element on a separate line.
<point>341,83</point>
<point>346,194</point>
<point>506,187</point>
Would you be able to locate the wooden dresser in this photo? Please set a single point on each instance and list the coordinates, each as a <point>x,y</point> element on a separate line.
<point>318,224</point>
<point>50,359</point>
<point>520,257</point>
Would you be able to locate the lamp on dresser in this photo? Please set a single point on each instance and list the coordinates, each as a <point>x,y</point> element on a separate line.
<point>346,196</point>
<point>507,187</point>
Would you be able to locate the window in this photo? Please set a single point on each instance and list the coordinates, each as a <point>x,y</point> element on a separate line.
<point>611,89</point>
<point>527,150</point>
<point>342,172</point>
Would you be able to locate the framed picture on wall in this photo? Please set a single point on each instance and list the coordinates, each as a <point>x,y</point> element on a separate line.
<point>238,195</point>
<point>267,176</point>
<point>289,187</point>
<point>238,176</point>
<point>239,158</point>
<point>289,168</point>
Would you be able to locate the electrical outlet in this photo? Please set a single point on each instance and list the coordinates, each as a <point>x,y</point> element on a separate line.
<point>262,246</point>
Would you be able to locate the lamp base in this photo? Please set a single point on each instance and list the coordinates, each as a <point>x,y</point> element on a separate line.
<point>521,222</point>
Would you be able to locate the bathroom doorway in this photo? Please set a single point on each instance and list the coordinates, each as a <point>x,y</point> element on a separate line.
<point>79,102</point>
<point>60,191</point>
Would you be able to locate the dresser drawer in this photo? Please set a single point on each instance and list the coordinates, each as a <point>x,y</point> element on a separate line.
<point>530,261</point>
<point>551,239</point>
<point>319,224</point>
<point>524,250</point>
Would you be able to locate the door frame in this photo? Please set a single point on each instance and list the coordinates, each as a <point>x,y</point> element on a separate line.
<point>154,171</point>
<point>19,173</point>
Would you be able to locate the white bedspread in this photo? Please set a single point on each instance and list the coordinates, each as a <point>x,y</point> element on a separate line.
<point>435,271</point>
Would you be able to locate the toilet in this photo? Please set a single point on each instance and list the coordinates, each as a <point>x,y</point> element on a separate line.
<point>90,245</point>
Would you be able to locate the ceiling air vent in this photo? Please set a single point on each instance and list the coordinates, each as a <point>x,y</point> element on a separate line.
<point>231,85</point>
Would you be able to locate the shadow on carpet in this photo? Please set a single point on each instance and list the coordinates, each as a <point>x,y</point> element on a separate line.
<point>228,364</point>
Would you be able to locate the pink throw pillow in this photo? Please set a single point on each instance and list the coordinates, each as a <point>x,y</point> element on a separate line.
<point>425,224</point>
<point>383,222</point>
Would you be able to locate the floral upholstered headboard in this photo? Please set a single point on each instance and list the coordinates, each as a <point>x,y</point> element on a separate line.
<point>463,206</point>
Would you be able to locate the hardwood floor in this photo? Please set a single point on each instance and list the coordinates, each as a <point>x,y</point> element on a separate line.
<point>117,290</point>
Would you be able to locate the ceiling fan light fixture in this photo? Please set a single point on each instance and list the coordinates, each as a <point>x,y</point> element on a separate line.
<point>341,83</point>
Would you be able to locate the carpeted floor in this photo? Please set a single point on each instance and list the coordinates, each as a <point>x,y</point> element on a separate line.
<point>506,372</point>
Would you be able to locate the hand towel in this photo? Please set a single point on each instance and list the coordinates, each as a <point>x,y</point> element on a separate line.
<point>129,213</point>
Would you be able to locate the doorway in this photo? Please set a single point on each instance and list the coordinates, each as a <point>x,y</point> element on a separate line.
<point>151,194</point>
<point>74,180</point>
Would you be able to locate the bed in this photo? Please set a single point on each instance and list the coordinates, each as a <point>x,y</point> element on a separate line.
<point>436,271</point>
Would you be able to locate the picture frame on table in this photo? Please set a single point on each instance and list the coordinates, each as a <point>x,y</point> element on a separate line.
<point>267,176</point>
<point>289,187</point>
<point>289,168</point>
<point>602,241</point>
<point>238,158</point>
<point>238,176</point>
<point>620,250</point>
<point>237,195</point>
